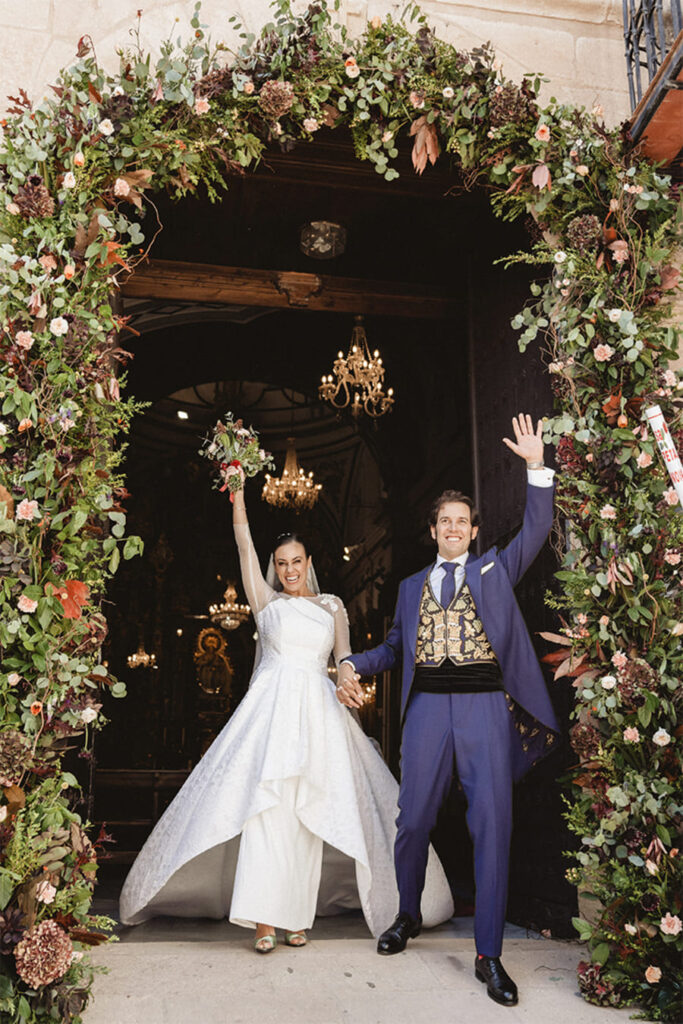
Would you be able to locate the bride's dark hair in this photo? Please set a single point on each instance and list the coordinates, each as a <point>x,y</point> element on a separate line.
<point>288,537</point>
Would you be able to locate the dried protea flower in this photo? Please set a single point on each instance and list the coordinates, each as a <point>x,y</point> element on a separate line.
<point>633,839</point>
<point>276,98</point>
<point>509,103</point>
<point>118,109</point>
<point>15,756</point>
<point>585,740</point>
<point>33,198</point>
<point>650,902</point>
<point>583,233</point>
<point>597,988</point>
<point>606,467</point>
<point>215,83</point>
<point>44,954</point>
<point>567,455</point>
<point>11,929</point>
<point>634,680</point>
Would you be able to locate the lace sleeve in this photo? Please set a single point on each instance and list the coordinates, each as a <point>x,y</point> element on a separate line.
<point>257,590</point>
<point>342,642</point>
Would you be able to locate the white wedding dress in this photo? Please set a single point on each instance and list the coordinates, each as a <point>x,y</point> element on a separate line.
<point>291,811</point>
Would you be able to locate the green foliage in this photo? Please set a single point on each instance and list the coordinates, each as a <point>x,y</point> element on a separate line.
<point>74,217</point>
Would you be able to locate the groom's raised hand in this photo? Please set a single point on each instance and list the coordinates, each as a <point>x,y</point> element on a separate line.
<point>528,442</point>
<point>349,691</point>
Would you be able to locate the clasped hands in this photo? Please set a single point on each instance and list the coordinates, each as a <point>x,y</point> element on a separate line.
<point>349,690</point>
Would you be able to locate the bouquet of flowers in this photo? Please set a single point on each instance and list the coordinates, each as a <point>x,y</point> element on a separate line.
<point>233,447</point>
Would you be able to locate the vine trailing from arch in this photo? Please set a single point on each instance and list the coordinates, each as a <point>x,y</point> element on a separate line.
<point>76,171</point>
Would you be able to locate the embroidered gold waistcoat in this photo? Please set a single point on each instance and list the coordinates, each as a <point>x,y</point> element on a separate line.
<point>455,632</point>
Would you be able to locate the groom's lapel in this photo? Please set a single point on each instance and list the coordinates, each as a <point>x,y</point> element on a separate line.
<point>413,594</point>
<point>473,580</point>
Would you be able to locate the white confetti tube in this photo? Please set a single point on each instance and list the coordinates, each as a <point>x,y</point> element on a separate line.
<point>667,448</point>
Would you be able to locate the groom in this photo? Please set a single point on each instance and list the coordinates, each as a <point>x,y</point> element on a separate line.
<point>473,693</point>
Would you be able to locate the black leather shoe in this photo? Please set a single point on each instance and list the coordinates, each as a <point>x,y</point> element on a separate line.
<point>394,939</point>
<point>499,985</point>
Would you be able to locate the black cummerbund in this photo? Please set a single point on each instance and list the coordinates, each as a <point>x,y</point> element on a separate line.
<point>479,677</point>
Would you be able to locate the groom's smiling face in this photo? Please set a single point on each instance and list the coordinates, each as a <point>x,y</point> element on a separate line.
<point>453,532</point>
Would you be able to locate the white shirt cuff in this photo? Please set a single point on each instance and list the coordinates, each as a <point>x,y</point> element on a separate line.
<point>540,477</point>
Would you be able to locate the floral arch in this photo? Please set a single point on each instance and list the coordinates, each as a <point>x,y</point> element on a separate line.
<point>75,170</point>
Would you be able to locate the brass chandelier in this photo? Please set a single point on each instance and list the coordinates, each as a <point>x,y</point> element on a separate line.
<point>295,488</point>
<point>358,379</point>
<point>229,614</point>
<point>141,659</point>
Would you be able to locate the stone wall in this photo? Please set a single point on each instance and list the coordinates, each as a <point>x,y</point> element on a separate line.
<point>577,44</point>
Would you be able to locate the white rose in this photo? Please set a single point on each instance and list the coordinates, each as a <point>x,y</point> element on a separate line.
<point>59,325</point>
<point>88,715</point>
<point>69,180</point>
<point>661,738</point>
<point>608,682</point>
<point>105,127</point>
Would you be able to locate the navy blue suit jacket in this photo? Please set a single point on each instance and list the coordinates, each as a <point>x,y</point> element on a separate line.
<point>491,578</point>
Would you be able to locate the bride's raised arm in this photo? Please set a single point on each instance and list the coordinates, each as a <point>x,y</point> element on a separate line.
<point>257,590</point>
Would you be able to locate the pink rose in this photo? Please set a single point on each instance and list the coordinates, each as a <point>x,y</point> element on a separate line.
<point>631,734</point>
<point>670,496</point>
<point>672,557</point>
<point>69,180</point>
<point>26,604</point>
<point>670,379</point>
<point>201,105</point>
<point>582,618</point>
<point>671,925</point>
<point>24,339</point>
<point>27,510</point>
<point>619,660</point>
<point>121,187</point>
<point>653,975</point>
<point>13,678</point>
<point>542,133</point>
<point>644,460</point>
<point>603,353</point>
<point>311,125</point>
<point>604,620</point>
<point>608,512</point>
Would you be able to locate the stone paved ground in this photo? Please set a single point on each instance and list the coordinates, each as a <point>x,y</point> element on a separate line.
<point>205,972</point>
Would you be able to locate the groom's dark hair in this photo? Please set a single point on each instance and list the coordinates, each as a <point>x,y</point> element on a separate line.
<point>448,496</point>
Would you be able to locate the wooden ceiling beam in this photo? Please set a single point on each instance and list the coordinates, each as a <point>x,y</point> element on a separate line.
<point>206,282</point>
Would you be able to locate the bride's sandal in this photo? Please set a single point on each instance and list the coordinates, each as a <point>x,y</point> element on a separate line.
<point>295,938</point>
<point>265,943</point>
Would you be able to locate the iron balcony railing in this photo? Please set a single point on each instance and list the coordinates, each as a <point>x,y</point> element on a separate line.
<point>650,27</point>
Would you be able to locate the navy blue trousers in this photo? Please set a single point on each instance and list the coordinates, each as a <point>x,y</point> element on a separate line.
<point>474,730</point>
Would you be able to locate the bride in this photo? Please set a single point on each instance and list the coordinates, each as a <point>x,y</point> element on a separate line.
<point>291,810</point>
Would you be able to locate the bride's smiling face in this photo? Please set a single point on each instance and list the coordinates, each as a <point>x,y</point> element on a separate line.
<point>291,567</point>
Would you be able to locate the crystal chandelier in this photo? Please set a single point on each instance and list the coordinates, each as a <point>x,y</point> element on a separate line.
<point>141,659</point>
<point>359,374</point>
<point>294,489</point>
<point>229,614</point>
